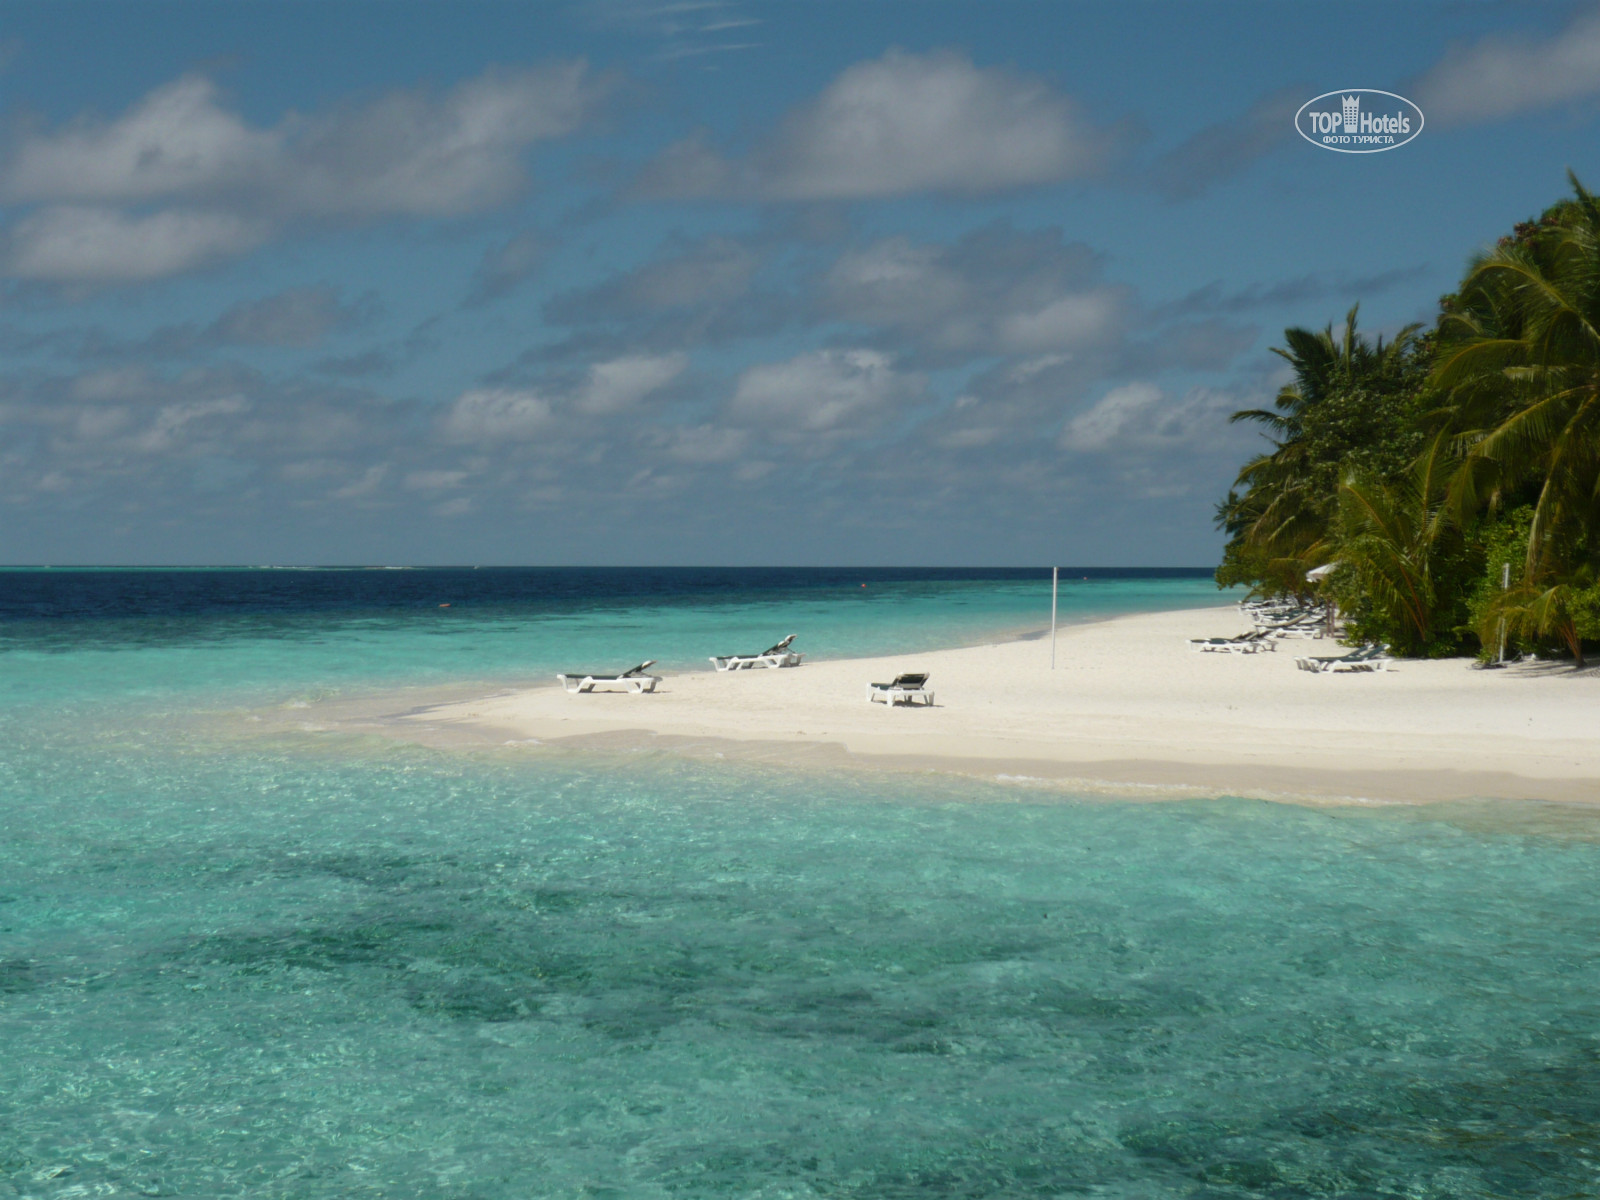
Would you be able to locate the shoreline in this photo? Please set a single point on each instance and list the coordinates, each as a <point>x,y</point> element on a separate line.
<point>1129,708</point>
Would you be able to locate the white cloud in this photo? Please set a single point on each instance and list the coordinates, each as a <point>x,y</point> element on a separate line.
<point>901,124</point>
<point>754,469</point>
<point>416,153</point>
<point>1230,145</point>
<point>76,244</point>
<point>172,419</point>
<point>824,391</point>
<point>714,271</point>
<point>506,266</point>
<point>496,414</point>
<point>707,444</point>
<point>1497,77</point>
<point>1070,321</point>
<point>898,282</point>
<point>97,424</point>
<point>297,317</point>
<point>177,140</point>
<point>364,485</point>
<point>1031,368</point>
<point>186,441</point>
<point>969,437</point>
<point>995,291</point>
<point>620,384</point>
<point>1141,417</point>
<point>707,274</point>
<point>408,152</point>
<point>1502,76</point>
<point>693,167</point>
<point>313,469</point>
<point>113,383</point>
<point>434,481</point>
<point>694,292</point>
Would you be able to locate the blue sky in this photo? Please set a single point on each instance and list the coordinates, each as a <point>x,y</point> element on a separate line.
<point>712,282</point>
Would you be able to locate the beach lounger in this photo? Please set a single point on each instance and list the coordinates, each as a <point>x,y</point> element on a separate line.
<point>773,656</point>
<point>1288,621</point>
<point>1299,629</point>
<point>1368,658</point>
<point>1246,643</point>
<point>906,689</point>
<point>634,681</point>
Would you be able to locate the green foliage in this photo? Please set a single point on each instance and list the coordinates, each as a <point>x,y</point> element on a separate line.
<point>1354,403</point>
<point>1567,611</point>
<point>1504,542</point>
<point>1263,573</point>
<point>1519,372</point>
<point>1403,561</point>
<point>1535,616</point>
<point>1424,465</point>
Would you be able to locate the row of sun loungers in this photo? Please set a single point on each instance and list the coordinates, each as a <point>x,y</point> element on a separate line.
<point>638,680</point>
<point>912,689</point>
<point>902,689</point>
<point>1275,620</point>
<point>1277,610</point>
<point>1284,620</point>
<point>1272,621</point>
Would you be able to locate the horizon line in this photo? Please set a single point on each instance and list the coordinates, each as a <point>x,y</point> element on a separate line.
<point>361,566</point>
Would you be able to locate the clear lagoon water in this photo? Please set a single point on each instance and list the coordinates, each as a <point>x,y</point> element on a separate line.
<point>82,636</point>
<point>325,966</point>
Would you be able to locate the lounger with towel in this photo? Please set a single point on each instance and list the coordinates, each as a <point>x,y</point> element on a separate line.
<point>634,681</point>
<point>1368,658</point>
<point>906,689</point>
<point>773,656</point>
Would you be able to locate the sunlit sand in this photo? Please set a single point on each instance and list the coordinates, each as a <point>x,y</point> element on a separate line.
<point>1127,704</point>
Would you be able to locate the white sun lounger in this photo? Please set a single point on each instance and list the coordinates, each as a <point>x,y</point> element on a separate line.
<point>1245,643</point>
<point>906,689</point>
<point>774,656</point>
<point>1368,658</point>
<point>1287,621</point>
<point>1299,629</point>
<point>634,681</point>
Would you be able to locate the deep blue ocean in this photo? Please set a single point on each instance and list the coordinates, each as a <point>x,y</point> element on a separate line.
<point>318,965</point>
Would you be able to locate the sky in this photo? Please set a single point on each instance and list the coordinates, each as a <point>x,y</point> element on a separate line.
<point>713,281</point>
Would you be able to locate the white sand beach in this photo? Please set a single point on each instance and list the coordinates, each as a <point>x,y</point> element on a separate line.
<point>1128,705</point>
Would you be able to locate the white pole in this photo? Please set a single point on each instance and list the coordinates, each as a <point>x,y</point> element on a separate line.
<point>1055,575</point>
<point>1505,582</point>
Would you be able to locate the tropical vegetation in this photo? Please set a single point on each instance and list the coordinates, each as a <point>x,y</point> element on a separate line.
<point>1452,476</point>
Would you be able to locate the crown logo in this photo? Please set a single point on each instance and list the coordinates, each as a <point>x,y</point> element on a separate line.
<point>1352,111</point>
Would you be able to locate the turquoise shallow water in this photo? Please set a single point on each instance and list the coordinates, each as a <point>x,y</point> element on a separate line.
<point>329,967</point>
<point>447,633</point>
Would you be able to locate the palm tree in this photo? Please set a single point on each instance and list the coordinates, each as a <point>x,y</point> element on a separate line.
<point>1551,610</point>
<point>1390,535</point>
<point>1338,403</point>
<point>1520,363</point>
